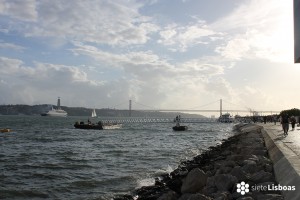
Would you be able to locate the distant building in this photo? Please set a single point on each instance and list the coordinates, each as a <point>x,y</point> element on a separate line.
<point>297,30</point>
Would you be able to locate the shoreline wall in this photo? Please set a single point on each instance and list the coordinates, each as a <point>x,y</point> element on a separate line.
<point>219,172</point>
<point>287,171</point>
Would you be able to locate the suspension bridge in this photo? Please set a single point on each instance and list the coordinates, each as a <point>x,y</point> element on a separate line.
<point>199,109</point>
<point>125,120</point>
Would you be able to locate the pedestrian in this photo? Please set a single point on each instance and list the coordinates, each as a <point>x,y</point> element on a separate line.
<point>285,123</point>
<point>293,122</point>
<point>275,119</point>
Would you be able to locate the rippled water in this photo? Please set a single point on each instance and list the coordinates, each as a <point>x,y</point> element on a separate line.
<point>45,157</point>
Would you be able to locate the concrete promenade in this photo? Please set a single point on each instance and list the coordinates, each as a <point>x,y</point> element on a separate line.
<point>284,151</point>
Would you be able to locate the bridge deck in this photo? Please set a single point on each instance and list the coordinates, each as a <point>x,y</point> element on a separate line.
<point>156,120</point>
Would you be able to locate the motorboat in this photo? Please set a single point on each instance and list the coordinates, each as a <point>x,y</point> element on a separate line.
<point>82,125</point>
<point>5,130</point>
<point>180,128</point>
<point>98,126</point>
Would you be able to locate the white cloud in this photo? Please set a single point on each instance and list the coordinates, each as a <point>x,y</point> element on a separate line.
<point>102,22</point>
<point>256,30</point>
<point>180,38</point>
<point>5,45</point>
<point>24,10</point>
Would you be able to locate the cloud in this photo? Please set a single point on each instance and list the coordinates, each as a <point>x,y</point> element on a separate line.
<point>5,45</point>
<point>180,38</point>
<point>102,22</point>
<point>255,30</point>
<point>24,10</point>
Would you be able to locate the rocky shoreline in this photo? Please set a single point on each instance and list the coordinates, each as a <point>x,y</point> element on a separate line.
<point>239,168</point>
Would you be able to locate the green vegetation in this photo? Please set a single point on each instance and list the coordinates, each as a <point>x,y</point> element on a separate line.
<point>291,112</point>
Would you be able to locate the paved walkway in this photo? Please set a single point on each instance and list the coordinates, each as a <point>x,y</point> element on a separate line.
<point>285,154</point>
<point>291,141</point>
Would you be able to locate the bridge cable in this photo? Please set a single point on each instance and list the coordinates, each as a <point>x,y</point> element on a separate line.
<point>203,105</point>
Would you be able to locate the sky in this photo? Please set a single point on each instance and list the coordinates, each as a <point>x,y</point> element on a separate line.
<point>161,54</point>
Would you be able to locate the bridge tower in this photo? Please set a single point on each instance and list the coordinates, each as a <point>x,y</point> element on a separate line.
<point>220,107</point>
<point>129,108</point>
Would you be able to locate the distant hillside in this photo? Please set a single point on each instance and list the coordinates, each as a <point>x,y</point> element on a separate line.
<point>80,111</point>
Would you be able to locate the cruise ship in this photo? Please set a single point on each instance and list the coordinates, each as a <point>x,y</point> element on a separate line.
<point>56,112</point>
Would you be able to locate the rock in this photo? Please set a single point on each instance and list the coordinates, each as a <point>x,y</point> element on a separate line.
<point>250,167</point>
<point>150,192</point>
<point>194,181</point>
<point>210,182</point>
<point>270,197</point>
<point>261,177</point>
<point>226,153</point>
<point>254,158</point>
<point>222,196</point>
<point>171,195</point>
<point>224,170</point>
<point>196,196</point>
<point>209,190</point>
<point>235,157</point>
<point>268,168</point>
<point>239,174</point>
<point>249,162</point>
<point>263,160</point>
<point>174,184</point>
<point>225,182</point>
<point>245,198</point>
<point>255,151</point>
<point>124,197</point>
<point>229,163</point>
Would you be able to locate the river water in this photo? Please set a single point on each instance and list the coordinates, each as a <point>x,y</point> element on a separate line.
<point>46,157</point>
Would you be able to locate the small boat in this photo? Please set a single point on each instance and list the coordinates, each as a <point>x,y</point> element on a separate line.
<point>98,126</point>
<point>180,128</point>
<point>5,130</point>
<point>82,125</point>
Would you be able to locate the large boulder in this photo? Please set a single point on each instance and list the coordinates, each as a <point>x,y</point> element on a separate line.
<point>171,195</point>
<point>240,174</point>
<point>250,166</point>
<point>262,176</point>
<point>196,196</point>
<point>225,182</point>
<point>194,181</point>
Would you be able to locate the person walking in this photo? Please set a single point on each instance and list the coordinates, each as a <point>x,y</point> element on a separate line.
<point>293,122</point>
<point>274,119</point>
<point>285,123</point>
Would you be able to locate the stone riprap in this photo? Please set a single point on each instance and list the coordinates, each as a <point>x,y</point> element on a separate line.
<point>239,168</point>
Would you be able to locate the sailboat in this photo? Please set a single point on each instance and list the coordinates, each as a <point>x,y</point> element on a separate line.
<point>94,114</point>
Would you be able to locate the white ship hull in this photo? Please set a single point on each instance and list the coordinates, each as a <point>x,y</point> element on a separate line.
<point>56,113</point>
